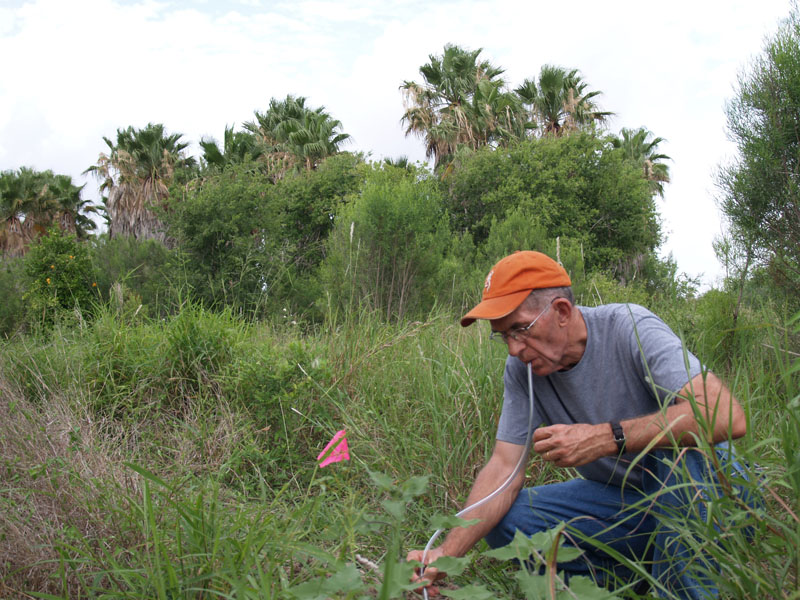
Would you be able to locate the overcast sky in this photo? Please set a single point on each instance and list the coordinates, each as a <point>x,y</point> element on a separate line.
<point>75,71</point>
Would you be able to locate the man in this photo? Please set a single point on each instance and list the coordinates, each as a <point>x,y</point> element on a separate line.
<point>610,382</point>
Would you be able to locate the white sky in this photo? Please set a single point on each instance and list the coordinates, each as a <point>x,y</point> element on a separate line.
<point>75,71</point>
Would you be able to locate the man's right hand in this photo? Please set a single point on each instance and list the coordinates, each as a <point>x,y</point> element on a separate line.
<point>431,574</point>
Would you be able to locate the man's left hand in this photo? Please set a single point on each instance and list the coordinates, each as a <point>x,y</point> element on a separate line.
<point>573,445</point>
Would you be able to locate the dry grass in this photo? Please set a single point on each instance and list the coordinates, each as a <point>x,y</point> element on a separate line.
<point>56,476</point>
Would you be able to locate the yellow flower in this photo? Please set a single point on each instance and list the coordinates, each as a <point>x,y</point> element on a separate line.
<point>48,281</point>
<point>94,284</point>
<point>71,257</point>
<point>52,266</point>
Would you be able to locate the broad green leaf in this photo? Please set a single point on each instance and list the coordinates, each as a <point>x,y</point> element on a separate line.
<point>520,547</point>
<point>470,592</point>
<point>309,590</point>
<point>532,585</point>
<point>451,521</point>
<point>382,480</point>
<point>397,579</point>
<point>451,565</point>
<point>568,553</point>
<point>347,579</point>
<point>585,589</point>
<point>415,486</point>
<point>396,508</point>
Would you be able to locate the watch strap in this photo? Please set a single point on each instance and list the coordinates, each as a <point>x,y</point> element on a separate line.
<point>619,435</point>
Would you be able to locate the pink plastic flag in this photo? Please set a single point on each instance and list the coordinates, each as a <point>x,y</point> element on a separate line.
<point>335,451</point>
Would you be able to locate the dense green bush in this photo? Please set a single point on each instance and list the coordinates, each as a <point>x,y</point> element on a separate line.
<point>388,245</point>
<point>145,270</point>
<point>61,280</point>
<point>284,389</point>
<point>229,230</point>
<point>577,187</point>
<point>253,244</point>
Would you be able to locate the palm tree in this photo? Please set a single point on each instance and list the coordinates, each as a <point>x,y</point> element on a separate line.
<point>13,204</point>
<point>462,102</point>
<point>137,173</point>
<point>237,147</point>
<point>293,135</point>
<point>31,201</point>
<point>71,210</point>
<point>560,102</point>
<point>638,146</point>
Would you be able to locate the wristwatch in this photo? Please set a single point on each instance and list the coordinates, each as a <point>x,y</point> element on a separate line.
<point>619,435</point>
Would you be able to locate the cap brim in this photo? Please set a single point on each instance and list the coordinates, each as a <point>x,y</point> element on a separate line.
<point>495,308</point>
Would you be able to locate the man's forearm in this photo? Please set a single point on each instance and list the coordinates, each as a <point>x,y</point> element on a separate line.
<point>712,414</point>
<point>461,539</point>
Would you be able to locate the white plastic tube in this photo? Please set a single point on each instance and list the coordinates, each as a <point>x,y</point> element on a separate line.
<point>520,464</point>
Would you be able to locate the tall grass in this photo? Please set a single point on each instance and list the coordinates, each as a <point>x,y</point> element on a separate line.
<point>175,458</point>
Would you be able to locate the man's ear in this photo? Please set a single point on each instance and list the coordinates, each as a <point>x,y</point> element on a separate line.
<point>563,308</point>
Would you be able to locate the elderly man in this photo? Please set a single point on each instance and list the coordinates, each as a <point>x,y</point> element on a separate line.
<point>610,382</point>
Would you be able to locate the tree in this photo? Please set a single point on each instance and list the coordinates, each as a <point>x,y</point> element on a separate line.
<point>387,245</point>
<point>578,187</point>
<point>462,102</point>
<point>60,278</point>
<point>294,135</point>
<point>14,203</point>
<point>237,147</point>
<point>71,211</point>
<point>254,243</point>
<point>761,187</point>
<point>136,174</point>
<point>31,201</point>
<point>638,146</point>
<point>560,102</point>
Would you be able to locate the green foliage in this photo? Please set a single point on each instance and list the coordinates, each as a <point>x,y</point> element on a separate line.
<point>464,105</point>
<point>387,246</point>
<point>138,368</point>
<point>228,416</point>
<point>292,134</point>
<point>760,191</point>
<point>253,244</point>
<point>237,148</point>
<point>230,228</point>
<point>312,201</point>
<point>61,279</point>
<point>578,188</point>
<point>12,287</point>
<point>145,269</point>
<point>278,386</point>
<point>32,201</point>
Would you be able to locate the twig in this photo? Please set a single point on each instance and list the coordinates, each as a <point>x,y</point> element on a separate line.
<point>368,563</point>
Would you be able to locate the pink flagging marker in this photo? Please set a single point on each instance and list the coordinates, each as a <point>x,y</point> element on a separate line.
<point>335,451</point>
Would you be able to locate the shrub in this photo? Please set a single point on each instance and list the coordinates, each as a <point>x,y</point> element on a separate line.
<point>282,389</point>
<point>145,269</point>
<point>388,245</point>
<point>61,279</point>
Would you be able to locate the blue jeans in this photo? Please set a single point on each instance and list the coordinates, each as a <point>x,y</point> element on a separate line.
<point>634,523</point>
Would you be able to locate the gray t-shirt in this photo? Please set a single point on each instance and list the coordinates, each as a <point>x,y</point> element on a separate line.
<point>633,365</point>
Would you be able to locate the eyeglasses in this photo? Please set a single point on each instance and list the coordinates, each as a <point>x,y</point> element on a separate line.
<point>517,333</point>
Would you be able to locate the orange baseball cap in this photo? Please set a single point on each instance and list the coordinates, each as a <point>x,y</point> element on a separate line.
<point>511,280</point>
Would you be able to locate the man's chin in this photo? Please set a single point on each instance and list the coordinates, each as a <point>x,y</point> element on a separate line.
<point>541,367</point>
